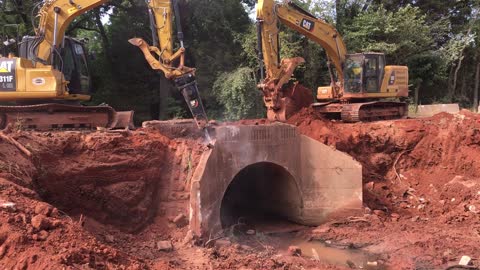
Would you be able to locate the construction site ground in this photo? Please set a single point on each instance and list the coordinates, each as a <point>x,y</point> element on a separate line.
<point>114,200</point>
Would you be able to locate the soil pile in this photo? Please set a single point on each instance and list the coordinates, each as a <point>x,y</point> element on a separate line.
<point>102,200</point>
<point>421,186</point>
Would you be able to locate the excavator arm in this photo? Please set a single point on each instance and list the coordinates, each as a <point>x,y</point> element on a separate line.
<point>160,56</point>
<point>279,71</point>
<point>54,18</point>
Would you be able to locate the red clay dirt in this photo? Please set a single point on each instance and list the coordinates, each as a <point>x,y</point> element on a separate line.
<point>103,200</point>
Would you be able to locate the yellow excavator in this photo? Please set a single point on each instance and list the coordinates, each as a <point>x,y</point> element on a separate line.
<point>50,77</point>
<point>363,88</point>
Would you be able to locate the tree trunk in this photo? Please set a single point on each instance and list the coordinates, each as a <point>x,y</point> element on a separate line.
<point>103,35</point>
<point>164,94</point>
<point>455,77</point>
<point>417,91</point>
<point>475,91</point>
<point>463,91</point>
<point>450,91</point>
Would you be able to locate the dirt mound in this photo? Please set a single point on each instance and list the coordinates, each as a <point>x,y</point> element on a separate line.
<point>120,181</point>
<point>421,178</point>
<point>102,200</point>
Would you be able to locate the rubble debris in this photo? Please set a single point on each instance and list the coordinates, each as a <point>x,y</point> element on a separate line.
<point>222,243</point>
<point>180,221</point>
<point>165,246</point>
<point>8,206</point>
<point>465,260</point>
<point>294,251</point>
<point>44,209</point>
<point>40,222</point>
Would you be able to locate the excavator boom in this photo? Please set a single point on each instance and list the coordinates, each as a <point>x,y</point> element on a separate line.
<point>161,56</point>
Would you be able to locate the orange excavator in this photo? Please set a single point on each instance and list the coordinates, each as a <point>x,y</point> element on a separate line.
<point>362,88</point>
<point>50,77</point>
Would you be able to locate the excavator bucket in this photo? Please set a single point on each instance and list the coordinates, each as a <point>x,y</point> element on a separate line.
<point>295,97</point>
<point>123,120</point>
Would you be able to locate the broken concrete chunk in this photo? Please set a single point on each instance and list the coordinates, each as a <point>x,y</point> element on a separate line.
<point>10,206</point>
<point>164,246</point>
<point>294,251</point>
<point>465,260</point>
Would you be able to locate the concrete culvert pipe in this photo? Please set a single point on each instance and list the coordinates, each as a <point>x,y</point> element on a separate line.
<point>260,193</point>
<point>272,172</point>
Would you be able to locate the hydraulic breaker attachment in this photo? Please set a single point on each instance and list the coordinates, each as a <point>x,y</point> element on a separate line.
<point>188,87</point>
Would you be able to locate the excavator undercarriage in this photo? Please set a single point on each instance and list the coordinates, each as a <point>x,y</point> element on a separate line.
<point>362,111</point>
<point>54,116</point>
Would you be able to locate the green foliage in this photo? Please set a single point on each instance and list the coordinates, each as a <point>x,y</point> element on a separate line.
<point>238,94</point>
<point>397,34</point>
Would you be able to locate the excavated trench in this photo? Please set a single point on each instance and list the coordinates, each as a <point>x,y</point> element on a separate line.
<point>114,179</point>
<point>262,192</point>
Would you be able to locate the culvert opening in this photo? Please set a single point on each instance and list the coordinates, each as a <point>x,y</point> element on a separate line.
<point>261,194</point>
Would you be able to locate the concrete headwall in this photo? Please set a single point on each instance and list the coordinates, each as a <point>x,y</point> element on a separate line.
<point>328,182</point>
<point>431,110</point>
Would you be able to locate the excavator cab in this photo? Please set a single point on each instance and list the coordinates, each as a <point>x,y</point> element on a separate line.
<point>71,61</point>
<point>364,72</point>
<point>75,67</point>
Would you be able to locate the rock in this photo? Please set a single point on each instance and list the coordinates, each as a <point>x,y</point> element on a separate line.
<point>465,260</point>
<point>40,222</point>
<point>164,246</point>
<point>374,264</point>
<point>180,221</point>
<point>189,237</point>
<point>222,243</point>
<point>251,232</point>
<point>44,209</point>
<point>473,209</point>
<point>415,218</point>
<point>55,212</point>
<point>55,223</point>
<point>315,255</point>
<point>42,236</point>
<point>367,211</point>
<point>3,251</point>
<point>9,206</point>
<point>395,216</point>
<point>321,230</point>
<point>370,185</point>
<point>21,218</point>
<point>379,213</point>
<point>294,251</point>
<point>109,238</point>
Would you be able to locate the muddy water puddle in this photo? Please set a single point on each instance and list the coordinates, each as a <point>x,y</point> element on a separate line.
<point>320,251</point>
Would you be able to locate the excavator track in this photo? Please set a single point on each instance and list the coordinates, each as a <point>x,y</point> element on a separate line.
<point>373,111</point>
<point>53,116</point>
